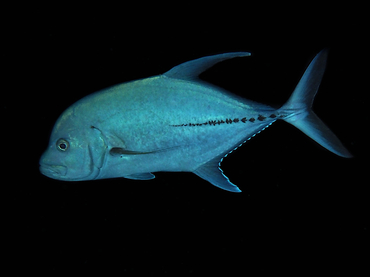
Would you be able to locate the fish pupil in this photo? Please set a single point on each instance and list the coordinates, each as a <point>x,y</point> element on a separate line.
<point>62,146</point>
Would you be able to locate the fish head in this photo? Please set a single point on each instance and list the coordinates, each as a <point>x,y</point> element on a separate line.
<point>76,150</point>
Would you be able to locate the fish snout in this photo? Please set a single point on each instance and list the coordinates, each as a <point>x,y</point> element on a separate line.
<point>53,171</point>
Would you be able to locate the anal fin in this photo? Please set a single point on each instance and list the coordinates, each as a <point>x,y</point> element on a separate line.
<point>212,173</point>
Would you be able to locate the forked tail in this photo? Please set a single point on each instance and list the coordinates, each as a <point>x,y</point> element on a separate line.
<point>299,113</point>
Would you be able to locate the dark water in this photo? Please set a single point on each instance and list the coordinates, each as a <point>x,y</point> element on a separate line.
<point>302,208</point>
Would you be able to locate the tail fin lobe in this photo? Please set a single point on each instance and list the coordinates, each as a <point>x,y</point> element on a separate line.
<point>312,126</point>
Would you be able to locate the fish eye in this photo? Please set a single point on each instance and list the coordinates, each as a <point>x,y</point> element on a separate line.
<point>62,145</point>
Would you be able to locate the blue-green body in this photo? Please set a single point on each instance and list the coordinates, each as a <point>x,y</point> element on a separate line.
<point>172,122</point>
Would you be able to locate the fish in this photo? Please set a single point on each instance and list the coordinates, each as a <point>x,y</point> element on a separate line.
<point>174,122</point>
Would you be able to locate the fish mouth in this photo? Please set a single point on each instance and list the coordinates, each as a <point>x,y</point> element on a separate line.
<point>53,171</point>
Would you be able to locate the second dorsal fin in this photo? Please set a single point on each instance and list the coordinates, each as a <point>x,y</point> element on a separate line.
<point>192,69</point>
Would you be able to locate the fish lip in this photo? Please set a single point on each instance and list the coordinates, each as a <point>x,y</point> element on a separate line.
<point>53,171</point>
<point>59,172</point>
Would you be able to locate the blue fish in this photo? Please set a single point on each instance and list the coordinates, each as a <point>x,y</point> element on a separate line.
<point>173,122</point>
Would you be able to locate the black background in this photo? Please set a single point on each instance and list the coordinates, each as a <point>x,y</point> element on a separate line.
<point>302,208</point>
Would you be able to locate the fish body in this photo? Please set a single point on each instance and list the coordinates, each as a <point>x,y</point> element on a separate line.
<point>172,122</point>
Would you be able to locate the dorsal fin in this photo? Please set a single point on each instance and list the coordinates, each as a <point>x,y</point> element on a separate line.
<point>192,69</point>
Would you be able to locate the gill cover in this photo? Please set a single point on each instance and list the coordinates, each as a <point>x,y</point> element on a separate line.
<point>97,147</point>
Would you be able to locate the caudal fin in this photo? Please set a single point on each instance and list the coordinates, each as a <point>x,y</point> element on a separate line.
<point>297,110</point>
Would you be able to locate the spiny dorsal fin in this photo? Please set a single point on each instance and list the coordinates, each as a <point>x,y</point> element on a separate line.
<point>192,69</point>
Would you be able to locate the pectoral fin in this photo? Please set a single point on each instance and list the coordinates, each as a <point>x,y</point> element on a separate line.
<point>117,151</point>
<point>140,176</point>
